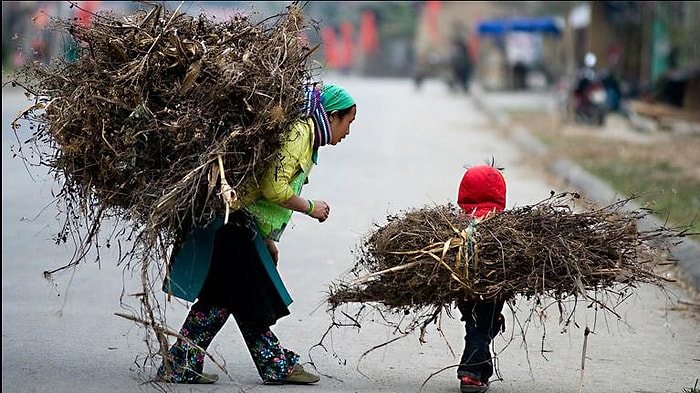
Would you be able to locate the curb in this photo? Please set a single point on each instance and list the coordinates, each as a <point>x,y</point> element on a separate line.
<point>687,252</point>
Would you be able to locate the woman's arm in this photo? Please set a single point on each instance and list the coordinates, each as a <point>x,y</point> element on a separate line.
<point>320,209</point>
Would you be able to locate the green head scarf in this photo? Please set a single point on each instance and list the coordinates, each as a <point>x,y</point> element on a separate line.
<point>335,98</point>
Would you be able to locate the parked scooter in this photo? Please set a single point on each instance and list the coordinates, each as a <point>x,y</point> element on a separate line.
<point>589,96</point>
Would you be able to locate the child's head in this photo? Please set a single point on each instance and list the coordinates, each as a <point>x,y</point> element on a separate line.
<point>482,191</point>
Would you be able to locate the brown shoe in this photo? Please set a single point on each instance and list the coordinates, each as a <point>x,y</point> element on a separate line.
<point>299,376</point>
<point>206,378</point>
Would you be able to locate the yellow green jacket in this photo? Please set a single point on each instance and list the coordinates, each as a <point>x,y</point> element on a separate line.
<point>282,181</point>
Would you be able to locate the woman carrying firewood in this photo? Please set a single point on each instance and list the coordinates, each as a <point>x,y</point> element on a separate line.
<point>482,191</point>
<point>242,279</point>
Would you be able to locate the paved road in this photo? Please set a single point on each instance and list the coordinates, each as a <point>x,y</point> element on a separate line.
<point>406,149</point>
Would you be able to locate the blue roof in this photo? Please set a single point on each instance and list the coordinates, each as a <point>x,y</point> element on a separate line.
<point>530,25</point>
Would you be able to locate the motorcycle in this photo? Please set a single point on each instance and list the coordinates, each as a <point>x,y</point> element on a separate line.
<point>589,100</point>
<point>583,99</point>
<point>589,96</point>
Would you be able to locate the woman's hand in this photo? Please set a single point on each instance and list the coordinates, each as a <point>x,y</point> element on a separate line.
<point>316,208</point>
<point>321,210</point>
<point>272,247</point>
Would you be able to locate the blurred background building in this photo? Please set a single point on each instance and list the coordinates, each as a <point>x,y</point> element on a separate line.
<point>651,47</point>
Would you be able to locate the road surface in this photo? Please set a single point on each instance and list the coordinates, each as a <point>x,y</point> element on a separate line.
<point>406,149</point>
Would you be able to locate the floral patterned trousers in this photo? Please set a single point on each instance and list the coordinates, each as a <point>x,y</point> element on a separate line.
<point>185,359</point>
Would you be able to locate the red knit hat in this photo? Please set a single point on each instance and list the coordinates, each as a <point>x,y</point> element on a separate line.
<point>482,190</point>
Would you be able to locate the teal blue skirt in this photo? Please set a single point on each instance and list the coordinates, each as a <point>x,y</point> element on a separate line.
<point>229,266</point>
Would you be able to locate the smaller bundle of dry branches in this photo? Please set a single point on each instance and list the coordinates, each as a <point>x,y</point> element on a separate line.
<point>432,256</point>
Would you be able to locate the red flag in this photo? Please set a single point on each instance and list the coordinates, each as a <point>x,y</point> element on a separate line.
<point>330,46</point>
<point>473,46</point>
<point>303,39</point>
<point>369,42</point>
<point>84,12</point>
<point>474,39</point>
<point>432,8</point>
<point>346,33</point>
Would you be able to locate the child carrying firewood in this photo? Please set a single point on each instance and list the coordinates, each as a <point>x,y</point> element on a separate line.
<point>482,191</point>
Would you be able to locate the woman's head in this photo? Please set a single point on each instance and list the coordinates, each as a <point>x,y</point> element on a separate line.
<point>341,110</point>
<point>482,191</point>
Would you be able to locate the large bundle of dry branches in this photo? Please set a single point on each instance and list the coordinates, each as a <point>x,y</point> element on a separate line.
<point>431,256</point>
<point>133,127</point>
<point>159,112</point>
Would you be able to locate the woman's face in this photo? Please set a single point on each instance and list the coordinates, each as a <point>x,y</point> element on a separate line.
<point>340,126</point>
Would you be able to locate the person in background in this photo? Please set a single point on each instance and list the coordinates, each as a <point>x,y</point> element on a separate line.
<point>482,191</point>
<point>461,64</point>
<point>242,279</point>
